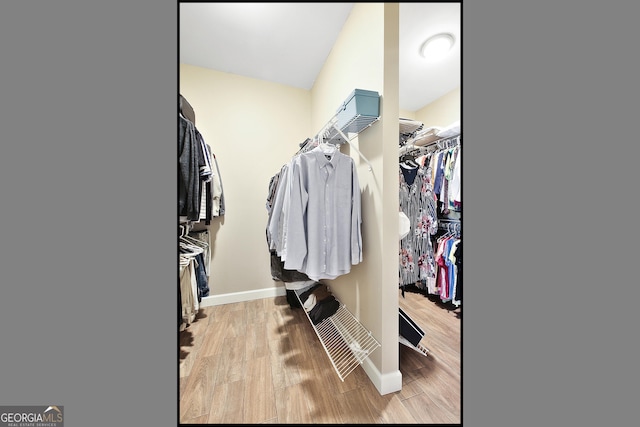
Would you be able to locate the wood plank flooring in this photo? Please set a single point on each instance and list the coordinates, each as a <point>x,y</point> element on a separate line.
<point>260,362</point>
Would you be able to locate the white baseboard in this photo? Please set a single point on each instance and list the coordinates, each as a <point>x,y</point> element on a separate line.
<point>385,384</point>
<point>242,296</point>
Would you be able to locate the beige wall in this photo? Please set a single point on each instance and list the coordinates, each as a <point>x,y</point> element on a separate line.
<point>406,114</point>
<point>253,127</point>
<point>365,56</point>
<point>442,112</point>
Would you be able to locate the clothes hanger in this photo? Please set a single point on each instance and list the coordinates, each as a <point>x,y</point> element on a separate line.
<point>328,148</point>
<point>446,226</point>
<point>453,230</point>
<point>187,251</point>
<point>196,242</point>
<point>191,240</point>
<point>190,252</point>
<point>409,161</point>
<point>190,248</point>
<point>325,147</point>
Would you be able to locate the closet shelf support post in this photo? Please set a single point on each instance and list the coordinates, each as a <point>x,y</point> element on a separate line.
<point>352,146</point>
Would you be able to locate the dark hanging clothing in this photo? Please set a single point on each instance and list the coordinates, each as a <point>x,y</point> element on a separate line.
<point>187,110</point>
<point>190,160</point>
<point>201,278</point>
<point>458,255</point>
<point>278,272</point>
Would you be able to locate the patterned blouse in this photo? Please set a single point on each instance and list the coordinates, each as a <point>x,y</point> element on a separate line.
<point>418,202</point>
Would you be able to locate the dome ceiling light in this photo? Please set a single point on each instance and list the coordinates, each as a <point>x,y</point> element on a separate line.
<point>436,47</point>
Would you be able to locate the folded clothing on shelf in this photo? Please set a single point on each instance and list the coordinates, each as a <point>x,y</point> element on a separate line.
<point>317,295</point>
<point>323,309</point>
<point>319,302</point>
<point>305,294</point>
<point>299,286</point>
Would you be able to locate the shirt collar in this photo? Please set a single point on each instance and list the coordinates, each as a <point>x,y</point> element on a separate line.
<point>323,162</point>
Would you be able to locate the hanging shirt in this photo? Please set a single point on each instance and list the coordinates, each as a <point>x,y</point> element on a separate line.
<point>277,215</point>
<point>442,281</point>
<point>418,203</point>
<point>217,192</point>
<point>453,272</point>
<point>189,162</point>
<point>455,193</point>
<point>458,255</point>
<point>444,191</point>
<point>439,173</point>
<point>322,228</point>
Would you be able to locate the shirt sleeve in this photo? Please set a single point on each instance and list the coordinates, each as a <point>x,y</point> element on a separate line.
<point>356,218</point>
<point>295,219</point>
<point>275,220</point>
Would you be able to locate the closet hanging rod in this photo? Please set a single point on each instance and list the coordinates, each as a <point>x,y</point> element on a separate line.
<point>448,142</point>
<point>327,132</point>
<point>354,147</point>
<point>410,148</point>
<point>451,227</point>
<point>440,144</point>
<point>443,143</point>
<point>449,221</point>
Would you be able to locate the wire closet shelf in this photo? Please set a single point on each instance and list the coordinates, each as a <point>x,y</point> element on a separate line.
<point>345,340</point>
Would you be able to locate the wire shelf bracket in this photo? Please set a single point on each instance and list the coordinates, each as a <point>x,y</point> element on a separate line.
<point>345,340</point>
<point>419,348</point>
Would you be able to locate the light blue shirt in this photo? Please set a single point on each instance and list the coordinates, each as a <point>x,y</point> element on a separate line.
<point>275,225</point>
<point>323,235</point>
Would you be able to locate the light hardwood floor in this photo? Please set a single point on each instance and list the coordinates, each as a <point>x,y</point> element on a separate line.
<point>260,362</point>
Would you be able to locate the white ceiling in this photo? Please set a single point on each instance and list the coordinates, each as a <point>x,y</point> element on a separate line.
<point>289,42</point>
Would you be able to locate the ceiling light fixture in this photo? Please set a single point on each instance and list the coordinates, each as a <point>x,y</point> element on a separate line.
<point>436,47</point>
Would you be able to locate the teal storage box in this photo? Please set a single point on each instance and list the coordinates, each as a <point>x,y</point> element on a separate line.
<point>358,111</point>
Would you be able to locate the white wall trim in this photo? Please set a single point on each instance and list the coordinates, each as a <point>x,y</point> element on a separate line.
<point>385,384</point>
<point>243,296</point>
